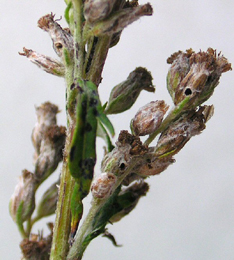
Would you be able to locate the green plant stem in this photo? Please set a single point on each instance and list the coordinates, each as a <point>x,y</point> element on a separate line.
<point>61,234</point>
<point>78,38</point>
<point>77,250</point>
<point>99,58</point>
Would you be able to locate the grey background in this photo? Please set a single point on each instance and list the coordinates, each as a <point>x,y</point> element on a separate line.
<point>189,211</point>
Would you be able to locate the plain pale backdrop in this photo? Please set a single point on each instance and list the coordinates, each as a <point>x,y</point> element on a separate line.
<point>189,212</point>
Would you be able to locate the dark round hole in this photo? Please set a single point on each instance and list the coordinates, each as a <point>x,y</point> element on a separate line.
<point>59,45</point>
<point>188,91</point>
<point>122,166</point>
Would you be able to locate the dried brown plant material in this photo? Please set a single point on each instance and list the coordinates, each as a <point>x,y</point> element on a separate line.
<point>173,139</point>
<point>103,186</point>
<point>50,152</point>
<point>37,247</point>
<point>195,75</point>
<point>44,62</point>
<point>149,118</point>
<point>46,117</point>
<point>61,38</point>
<point>121,19</point>
<point>96,10</point>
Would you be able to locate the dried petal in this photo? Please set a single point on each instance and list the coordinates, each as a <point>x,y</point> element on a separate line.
<point>149,118</point>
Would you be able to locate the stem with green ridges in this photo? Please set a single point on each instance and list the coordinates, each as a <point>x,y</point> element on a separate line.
<point>61,234</point>
<point>77,250</point>
<point>174,114</point>
<point>79,43</point>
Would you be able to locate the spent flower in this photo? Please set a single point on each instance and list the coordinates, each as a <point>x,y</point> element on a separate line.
<point>195,75</point>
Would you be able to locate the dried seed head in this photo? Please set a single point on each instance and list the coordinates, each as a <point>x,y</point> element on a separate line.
<point>50,152</point>
<point>46,117</point>
<point>124,95</point>
<point>195,75</point>
<point>61,38</point>
<point>96,10</point>
<point>103,186</point>
<point>48,202</point>
<point>46,63</point>
<point>149,118</point>
<point>151,165</point>
<point>22,202</point>
<point>173,139</point>
<point>121,19</point>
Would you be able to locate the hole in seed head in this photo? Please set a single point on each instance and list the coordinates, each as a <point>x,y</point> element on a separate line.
<point>58,45</point>
<point>188,91</point>
<point>122,166</point>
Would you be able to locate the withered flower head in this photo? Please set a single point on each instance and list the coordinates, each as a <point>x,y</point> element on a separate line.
<point>195,75</point>
<point>149,118</point>
<point>22,202</point>
<point>96,10</point>
<point>173,139</point>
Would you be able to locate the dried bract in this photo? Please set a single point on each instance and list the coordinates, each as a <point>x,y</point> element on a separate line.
<point>45,63</point>
<point>195,75</point>
<point>124,95</point>
<point>149,118</point>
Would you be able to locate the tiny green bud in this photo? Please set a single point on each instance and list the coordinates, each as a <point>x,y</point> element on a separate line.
<point>47,204</point>
<point>45,63</point>
<point>195,75</point>
<point>173,139</point>
<point>149,118</point>
<point>124,95</point>
<point>102,187</point>
<point>22,202</point>
<point>96,10</point>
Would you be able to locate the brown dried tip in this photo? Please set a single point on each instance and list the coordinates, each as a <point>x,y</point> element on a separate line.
<point>137,148</point>
<point>45,21</point>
